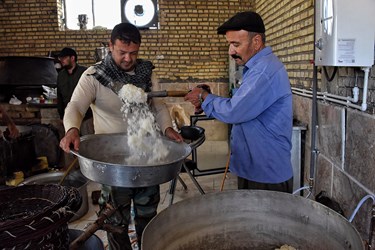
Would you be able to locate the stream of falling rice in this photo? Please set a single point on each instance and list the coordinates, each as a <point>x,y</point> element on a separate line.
<point>144,138</point>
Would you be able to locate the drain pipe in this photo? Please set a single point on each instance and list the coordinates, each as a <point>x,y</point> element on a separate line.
<point>313,122</point>
<point>314,151</point>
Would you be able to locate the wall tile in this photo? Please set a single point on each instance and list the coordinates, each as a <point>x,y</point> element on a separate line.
<point>360,150</point>
<point>323,176</point>
<point>329,139</point>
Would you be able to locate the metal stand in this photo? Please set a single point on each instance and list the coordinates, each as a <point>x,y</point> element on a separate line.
<point>192,178</point>
<point>193,145</point>
<point>197,172</point>
<point>172,188</point>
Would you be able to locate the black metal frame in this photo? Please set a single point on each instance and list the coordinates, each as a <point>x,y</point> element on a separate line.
<point>191,166</point>
<point>195,171</point>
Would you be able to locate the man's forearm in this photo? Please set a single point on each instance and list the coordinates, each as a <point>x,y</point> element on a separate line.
<point>6,118</point>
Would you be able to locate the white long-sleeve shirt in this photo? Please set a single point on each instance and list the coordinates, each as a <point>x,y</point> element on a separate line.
<point>106,107</point>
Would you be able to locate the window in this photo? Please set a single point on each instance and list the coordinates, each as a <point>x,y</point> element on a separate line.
<point>89,14</point>
<point>98,14</point>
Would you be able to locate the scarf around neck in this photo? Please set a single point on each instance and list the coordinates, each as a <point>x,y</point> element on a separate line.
<point>111,76</point>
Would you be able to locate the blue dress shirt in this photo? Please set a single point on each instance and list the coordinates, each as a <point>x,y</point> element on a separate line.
<point>262,118</point>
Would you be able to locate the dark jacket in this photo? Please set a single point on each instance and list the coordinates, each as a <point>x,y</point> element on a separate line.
<point>66,84</point>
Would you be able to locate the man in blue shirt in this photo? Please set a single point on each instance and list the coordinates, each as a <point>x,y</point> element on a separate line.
<point>260,110</point>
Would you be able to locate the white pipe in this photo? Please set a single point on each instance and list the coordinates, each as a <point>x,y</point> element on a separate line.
<point>369,196</point>
<point>349,104</point>
<point>343,133</point>
<point>301,94</point>
<point>324,94</point>
<point>365,84</point>
<point>303,188</point>
<point>306,93</point>
<point>355,94</point>
<point>346,101</point>
<point>348,98</point>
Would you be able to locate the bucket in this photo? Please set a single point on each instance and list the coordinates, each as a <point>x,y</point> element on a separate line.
<point>74,179</point>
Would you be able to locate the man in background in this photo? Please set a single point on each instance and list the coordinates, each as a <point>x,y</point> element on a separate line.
<point>67,80</point>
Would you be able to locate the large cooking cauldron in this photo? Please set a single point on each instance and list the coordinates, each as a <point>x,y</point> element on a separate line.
<point>249,219</point>
<point>23,76</point>
<point>102,158</point>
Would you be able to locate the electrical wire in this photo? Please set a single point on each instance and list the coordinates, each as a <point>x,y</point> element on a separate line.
<point>329,78</point>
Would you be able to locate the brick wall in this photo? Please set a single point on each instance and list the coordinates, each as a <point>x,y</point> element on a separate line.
<point>185,48</point>
<point>290,33</point>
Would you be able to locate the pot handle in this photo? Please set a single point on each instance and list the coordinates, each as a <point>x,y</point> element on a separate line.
<point>196,143</point>
<point>72,151</point>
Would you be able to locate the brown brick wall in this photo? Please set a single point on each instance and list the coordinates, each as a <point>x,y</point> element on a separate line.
<point>290,33</point>
<point>185,48</point>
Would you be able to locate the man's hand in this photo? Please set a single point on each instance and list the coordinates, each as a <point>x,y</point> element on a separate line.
<point>172,134</point>
<point>197,95</point>
<point>193,97</point>
<point>71,138</point>
<point>13,131</point>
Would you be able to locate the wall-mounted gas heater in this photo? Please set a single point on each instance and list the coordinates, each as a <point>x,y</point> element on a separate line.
<point>344,33</point>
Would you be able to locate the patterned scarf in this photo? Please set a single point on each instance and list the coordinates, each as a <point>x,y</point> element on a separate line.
<point>111,76</point>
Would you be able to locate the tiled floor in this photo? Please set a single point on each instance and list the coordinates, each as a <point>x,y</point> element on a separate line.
<point>209,183</point>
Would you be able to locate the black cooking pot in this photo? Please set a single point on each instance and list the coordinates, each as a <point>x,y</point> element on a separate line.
<point>192,132</point>
<point>17,154</point>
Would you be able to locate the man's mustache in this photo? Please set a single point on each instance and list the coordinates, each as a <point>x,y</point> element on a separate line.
<point>236,57</point>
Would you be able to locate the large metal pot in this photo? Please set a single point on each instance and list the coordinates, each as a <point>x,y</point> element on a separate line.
<point>249,219</point>
<point>102,158</point>
<point>74,179</point>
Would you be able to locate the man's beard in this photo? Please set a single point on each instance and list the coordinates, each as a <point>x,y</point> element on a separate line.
<point>68,66</point>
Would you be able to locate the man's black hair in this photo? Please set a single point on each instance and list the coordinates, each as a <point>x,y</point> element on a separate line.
<point>126,32</point>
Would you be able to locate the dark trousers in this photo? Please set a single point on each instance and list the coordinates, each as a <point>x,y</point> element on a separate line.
<point>286,186</point>
<point>145,201</point>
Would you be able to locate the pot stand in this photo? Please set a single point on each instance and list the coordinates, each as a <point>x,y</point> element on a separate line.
<point>187,168</point>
